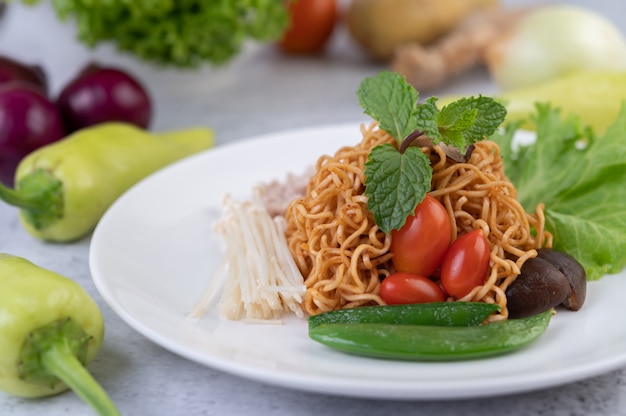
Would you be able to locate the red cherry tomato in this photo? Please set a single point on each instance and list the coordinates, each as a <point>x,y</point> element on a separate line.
<point>466,264</point>
<point>419,246</point>
<point>312,23</point>
<point>403,288</point>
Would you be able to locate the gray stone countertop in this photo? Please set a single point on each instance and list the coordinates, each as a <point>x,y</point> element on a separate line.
<point>260,92</point>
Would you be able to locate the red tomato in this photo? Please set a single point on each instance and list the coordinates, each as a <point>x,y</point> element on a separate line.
<point>466,264</point>
<point>402,288</point>
<point>312,23</point>
<point>419,246</point>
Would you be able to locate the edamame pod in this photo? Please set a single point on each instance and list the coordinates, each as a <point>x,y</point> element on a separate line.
<point>433,313</point>
<point>431,343</point>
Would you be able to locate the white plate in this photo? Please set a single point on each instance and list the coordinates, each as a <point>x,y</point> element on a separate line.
<point>154,252</point>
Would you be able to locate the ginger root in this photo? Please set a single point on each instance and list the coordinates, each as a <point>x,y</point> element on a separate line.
<point>378,26</point>
<point>428,67</point>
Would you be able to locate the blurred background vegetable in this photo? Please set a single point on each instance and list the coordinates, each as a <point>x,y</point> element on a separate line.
<point>434,65</point>
<point>552,41</point>
<point>311,23</point>
<point>181,33</point>
<point>519,47</point>
<point>28,120</point>
<point>12,70</point>
<point>597,96</point>
<point>379,26</point>
<point>99,94</point>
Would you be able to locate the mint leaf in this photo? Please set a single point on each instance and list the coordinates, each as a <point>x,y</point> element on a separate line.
<point>396,183</point>
<point>427,114</point>
<point>580,178</point>
<point>389,99</point>
<point>468,120</point>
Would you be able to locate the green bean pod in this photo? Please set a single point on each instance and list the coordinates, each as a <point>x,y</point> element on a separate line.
<point>64,188</point>
<point>431,343</point>
<point>432,313</point>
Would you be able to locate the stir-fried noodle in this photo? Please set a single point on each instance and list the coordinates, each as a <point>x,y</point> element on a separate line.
<point>343,255</point>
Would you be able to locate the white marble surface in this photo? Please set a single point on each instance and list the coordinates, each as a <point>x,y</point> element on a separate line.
<point>261,92</point>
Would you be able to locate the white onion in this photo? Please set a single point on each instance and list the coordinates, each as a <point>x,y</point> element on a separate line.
<point>551,41</point>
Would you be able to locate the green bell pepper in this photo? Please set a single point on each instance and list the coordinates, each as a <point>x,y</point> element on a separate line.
<point>50,329</point>
<point>64,188</point>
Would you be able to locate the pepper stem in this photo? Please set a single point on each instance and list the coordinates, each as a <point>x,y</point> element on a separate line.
<point>40,196</point>
<point>60,361</point>
<point>58,352</point>
<point>19,198</point>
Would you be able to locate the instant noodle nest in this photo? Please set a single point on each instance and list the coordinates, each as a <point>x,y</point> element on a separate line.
<point>343,255</point>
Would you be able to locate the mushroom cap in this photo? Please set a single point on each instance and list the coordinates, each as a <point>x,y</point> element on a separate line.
<point>574,273</point>
<point>551,279</point>
<point>539,287</point>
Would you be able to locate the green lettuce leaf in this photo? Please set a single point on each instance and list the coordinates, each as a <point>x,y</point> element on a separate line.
<point>581,179</point>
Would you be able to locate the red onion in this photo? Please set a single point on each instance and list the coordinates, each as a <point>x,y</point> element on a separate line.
<point>101,94</point>
<point>11,70</point>
<point>28,120</point>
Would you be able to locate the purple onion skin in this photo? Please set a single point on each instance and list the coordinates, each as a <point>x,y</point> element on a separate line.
<point>28,121</point>
<point>12,70</point>
<point>99,95</point>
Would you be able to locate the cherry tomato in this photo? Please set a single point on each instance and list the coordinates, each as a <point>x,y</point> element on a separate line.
<point>403,288</point>
<point>466,264</point>
<point>312,23</point>
<point>419,246</point>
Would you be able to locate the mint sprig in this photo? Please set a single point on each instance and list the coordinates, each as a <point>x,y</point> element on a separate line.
<point>397,179</point>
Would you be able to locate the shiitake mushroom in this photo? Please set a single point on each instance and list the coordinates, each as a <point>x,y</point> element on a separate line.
<point>574,273</point>
<point>551,279</point>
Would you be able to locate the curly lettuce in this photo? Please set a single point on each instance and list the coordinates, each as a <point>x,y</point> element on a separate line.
<point>177,33</point>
